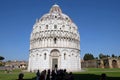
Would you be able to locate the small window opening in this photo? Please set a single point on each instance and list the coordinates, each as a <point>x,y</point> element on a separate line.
<point>55,16</point>
<point>64,56</point>
<point>66,18</point>
<point>45,56</point>
<point>63,26</point>
<point>42,19</point>
<point>46,26</point>
<point>55,26</point>
<point>55,40</point>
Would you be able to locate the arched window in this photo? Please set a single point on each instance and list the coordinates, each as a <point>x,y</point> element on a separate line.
<point>70,28</point>
<point>55,16</point>
<point>66,18</point>
<point>37,56</point>
<point>45,56</point>
<point>64,56</point>
<point>63,26</point>
<point>46,26</point>
<point>55,26</point>
<point>42,19</point>
<point>55,40</point>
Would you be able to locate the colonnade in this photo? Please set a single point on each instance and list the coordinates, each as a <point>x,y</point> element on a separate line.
<point>54,38</point>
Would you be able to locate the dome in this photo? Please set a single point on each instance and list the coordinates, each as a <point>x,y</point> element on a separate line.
<point>55,24</point>
<point>55,13</point>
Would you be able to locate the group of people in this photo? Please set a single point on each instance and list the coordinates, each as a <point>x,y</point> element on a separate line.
<point>54,75</point>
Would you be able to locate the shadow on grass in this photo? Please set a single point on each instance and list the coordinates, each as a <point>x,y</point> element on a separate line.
<point>29,79</point>
<point>92,77</point>
<point>87,77</point>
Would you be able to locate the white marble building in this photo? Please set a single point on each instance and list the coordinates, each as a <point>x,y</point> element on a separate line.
<point>54,41</point>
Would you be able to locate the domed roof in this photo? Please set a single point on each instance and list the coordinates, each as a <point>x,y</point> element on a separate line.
<point>55,9</point>
<point>55,25</point>
<point>55,13</point>
<point>55,17</point>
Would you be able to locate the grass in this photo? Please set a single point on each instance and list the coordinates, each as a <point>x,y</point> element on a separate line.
<point>14,75</point>
<point>87,74</point>
<point>94,74</point>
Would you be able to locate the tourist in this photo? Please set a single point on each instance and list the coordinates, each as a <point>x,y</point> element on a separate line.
<point>70,76</point>
<point>20,77</point>
<point>53,75</point>
<point>48,75</point>
<point>56,67</point>
<point>43,75</point>
<point>58,75</point>
<point>103,76</point>
<point>38,75</point>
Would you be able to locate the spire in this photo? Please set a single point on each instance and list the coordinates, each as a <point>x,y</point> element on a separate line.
<point>55,9</point>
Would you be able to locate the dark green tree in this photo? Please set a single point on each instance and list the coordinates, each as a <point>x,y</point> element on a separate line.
<point>96,58</point>
<point>107,56</point>
<point>2,63</point>
<point>2,58</point>
<point>113,55</point>
<point>118,56</point>
<point>88,56</point>
<point>101,56</point>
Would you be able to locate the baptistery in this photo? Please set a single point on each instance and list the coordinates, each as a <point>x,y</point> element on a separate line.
<point>54,43</point>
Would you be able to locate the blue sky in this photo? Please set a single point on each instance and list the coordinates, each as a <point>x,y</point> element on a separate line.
<point>98,22</point>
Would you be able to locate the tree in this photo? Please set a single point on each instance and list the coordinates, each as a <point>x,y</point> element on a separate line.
<point>118,56</point>
<point>88,56</point>
<point>96,58</point>
<point>1,63</point>
<point>113,55</point>
<point>2,58</point>
<point>107,56</point>
<point>101,56</point>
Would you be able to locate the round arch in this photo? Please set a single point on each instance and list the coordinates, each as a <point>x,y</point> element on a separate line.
<point>54,59</point>
<point>114,64</point>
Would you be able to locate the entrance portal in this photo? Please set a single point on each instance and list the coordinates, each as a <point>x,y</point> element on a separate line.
<point>55,59</point>
<point>54,64</point>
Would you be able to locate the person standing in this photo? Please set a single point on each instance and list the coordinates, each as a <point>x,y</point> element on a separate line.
<point>38,75</point>
<point>20,77</point>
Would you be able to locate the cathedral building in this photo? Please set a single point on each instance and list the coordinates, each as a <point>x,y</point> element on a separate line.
<point>54,42</point>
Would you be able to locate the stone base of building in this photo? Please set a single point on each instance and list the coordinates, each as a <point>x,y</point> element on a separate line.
<point>51,58</point>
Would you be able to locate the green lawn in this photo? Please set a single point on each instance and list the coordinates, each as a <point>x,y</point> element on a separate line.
<point>14,75</point>
<point>87,74</point>
<point>94,74</point>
